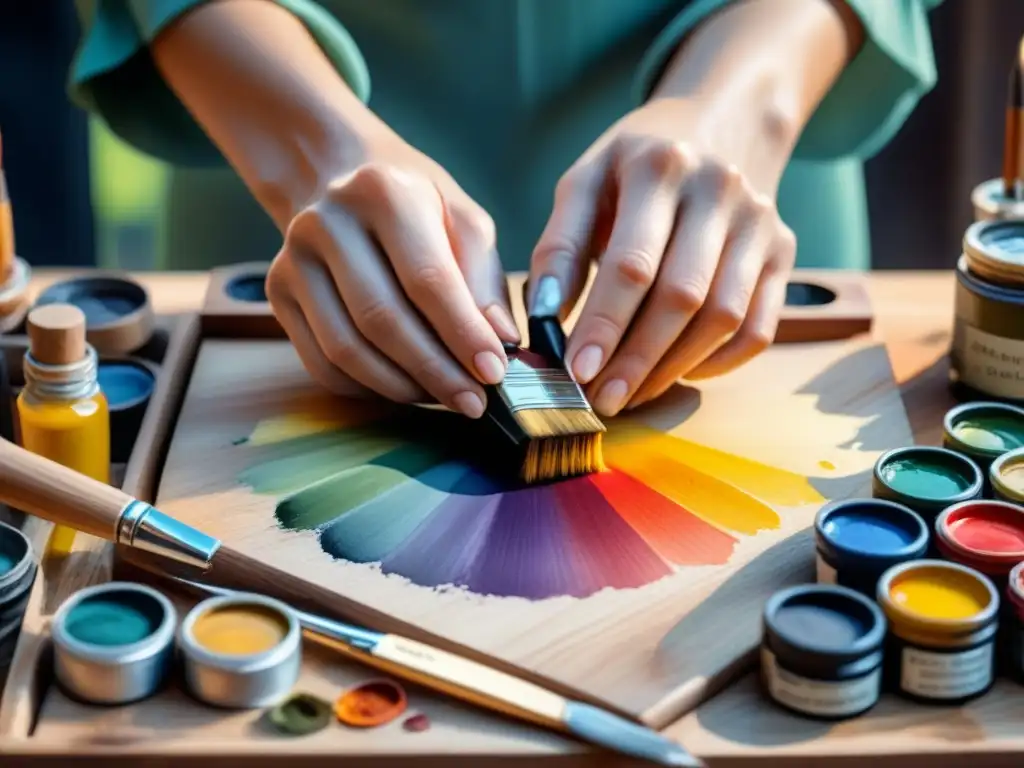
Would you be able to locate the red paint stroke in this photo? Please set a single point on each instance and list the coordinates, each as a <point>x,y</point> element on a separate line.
<point>676,534</point>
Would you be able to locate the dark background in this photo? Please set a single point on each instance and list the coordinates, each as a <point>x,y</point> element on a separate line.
<point>919,186</point>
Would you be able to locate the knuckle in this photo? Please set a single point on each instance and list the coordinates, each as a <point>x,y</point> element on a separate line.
<point>686,297</point>
<point>475,222</point>
<point>378,321</point>
<point>756,340</point>
<point>721,180</point>
<point>277,281</point>
<point>635,268</point>
<point>724,316</point>
<point>670,161</point>
<point>601,325</point>
<point>429,281</point>
<point>341,352</point>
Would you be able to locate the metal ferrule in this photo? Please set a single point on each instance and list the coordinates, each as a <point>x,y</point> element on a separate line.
<point>61,383</point>
<point>241,681</point>
<point>113,674</point>
<point>527,388</point>
<point>143,527</point>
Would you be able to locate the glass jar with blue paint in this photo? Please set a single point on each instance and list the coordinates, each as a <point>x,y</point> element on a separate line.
<point>857,540</point>
<point>821,651</point>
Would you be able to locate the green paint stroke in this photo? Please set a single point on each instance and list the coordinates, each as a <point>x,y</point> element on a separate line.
<point>924,480</point>
<point>316,458</point>
<point>343,491</point>
<point>114,619</point>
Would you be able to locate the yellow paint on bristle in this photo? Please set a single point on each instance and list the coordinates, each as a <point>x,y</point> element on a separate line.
<point>240,630</point>
<point>553,458</point>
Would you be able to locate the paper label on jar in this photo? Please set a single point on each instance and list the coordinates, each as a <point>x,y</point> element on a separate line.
<point>827,698</point>
<point>991,364</point>
<point>826,573</point>
<point>946,675</point>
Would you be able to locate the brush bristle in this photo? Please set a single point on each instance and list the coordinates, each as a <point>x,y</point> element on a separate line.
<point>561,443</point>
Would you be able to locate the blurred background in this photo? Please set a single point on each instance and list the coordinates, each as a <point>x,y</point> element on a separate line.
<point>82,197</point>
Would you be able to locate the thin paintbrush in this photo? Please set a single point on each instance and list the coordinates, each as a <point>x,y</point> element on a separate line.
<point>486,687</point>
<point>1013,148</point>
<point>540,407</point>
<point>6,227</point>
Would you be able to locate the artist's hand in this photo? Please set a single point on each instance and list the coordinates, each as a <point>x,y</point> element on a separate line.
<point>390,283</point>
<point>693,257</point>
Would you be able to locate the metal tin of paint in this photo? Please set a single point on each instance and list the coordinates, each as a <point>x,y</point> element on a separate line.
<point>982,534</point>
<point>17,565</point>
<point>987,353</point>
<point>241,680</point>
<point>128,384</point>
<point>926,479</point>
<point>103,670</point>
<point>821,651</point>
<point>983,431</point>
<point>1014,617</point>
<point>857,540</point>
<point>1006,476</point>
<point>943,618</point>
<point>990,202</point>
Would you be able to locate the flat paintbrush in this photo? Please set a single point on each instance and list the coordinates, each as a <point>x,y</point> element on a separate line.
<point>484,686</point>
<point>540,407</point>
<point>43,488</point>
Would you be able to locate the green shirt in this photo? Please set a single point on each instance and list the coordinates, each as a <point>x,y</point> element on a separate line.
<point>505,94</point>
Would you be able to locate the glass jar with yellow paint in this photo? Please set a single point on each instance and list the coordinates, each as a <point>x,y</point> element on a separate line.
<point>943,618</point>
<point>62,413</point>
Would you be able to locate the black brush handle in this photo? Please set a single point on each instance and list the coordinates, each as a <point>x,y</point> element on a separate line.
<point>547,338</point>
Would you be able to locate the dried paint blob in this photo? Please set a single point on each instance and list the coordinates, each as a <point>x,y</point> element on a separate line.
<point>301,714</point>
<point>114,618</point>
<point>240,630</point>
<point>371,704</point>
<point>403,492</point>
<point>416,723</point>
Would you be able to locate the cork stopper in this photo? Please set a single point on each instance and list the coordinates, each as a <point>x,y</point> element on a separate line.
<point>56,334</point>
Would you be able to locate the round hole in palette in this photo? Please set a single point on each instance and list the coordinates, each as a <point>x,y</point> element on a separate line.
<point>247,288</point>
<point>808,295</point>
<point>406,492</point>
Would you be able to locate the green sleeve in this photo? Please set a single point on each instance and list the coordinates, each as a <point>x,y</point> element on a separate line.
<point>114,77</point>
<point>873,96</point>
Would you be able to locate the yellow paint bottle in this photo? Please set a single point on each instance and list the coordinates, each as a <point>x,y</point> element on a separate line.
<point>62,413</point>
<point>943,619</point>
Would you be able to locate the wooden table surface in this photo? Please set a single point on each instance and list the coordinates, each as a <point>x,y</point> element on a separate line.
<point>913,315</point>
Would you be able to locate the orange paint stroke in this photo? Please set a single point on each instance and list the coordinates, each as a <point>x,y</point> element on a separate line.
<point>770,484</point>
<point>676,534</point>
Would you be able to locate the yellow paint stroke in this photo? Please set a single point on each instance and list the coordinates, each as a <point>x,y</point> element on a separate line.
<point>775,486</point>
<point>325,416</point>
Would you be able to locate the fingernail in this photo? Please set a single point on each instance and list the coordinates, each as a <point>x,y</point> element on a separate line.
<point>502,322</point>
<point>611,397</point>
<point>587,363</point>
<point>490,367</point>
<point>470,404</point>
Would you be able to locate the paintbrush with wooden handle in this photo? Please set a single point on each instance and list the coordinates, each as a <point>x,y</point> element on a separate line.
<point>53,492</point>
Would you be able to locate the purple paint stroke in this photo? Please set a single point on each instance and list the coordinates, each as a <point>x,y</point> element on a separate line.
<point>527,552</point>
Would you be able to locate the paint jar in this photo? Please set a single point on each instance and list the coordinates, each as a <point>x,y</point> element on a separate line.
<point>990,202</point>
<point>1015,621</point>
<point>128,385</point>
<point>14,295</point>
<point>1006,476</point>
<point>113,643</point>
<point>62,413</point>
<point>821,651</point>
<point>926,479</point>
<point>17,572</point>
<point>241,651</point>
<point>983,431</point>
<point>856,540</point>
<point>982,534</point>
<point>987,353</point>
<point>943,618</point>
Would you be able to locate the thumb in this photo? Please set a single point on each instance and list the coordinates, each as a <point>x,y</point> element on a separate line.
<point>563,251</point>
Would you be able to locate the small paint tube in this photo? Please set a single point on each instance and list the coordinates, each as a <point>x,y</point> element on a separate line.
<point>1006,476</point>
<point>1015,622</point>
<point>241,651</point>
<point>943,620</point>
<point>821,651</point>
<point>857,540</point>
<point>926,479</point>
<point>113,643</point>
<point>983,431</point>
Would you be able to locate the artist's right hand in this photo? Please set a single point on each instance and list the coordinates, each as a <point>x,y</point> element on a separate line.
<point>389,282</point>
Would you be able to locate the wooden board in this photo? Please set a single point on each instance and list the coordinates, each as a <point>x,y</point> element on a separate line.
<point>808,419</point>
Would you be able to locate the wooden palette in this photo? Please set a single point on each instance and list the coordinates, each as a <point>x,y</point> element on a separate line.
<point>647,631</point>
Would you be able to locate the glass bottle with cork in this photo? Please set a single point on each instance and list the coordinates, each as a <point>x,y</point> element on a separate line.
<point>62,412</point>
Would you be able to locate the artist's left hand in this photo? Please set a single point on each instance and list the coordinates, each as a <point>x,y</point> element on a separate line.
<point>693,257</point>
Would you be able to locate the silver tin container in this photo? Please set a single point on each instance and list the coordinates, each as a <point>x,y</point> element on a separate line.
<point>241,681</point>
<point>990,203</point>
<point>16,580</point>
<point>115,674</point>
